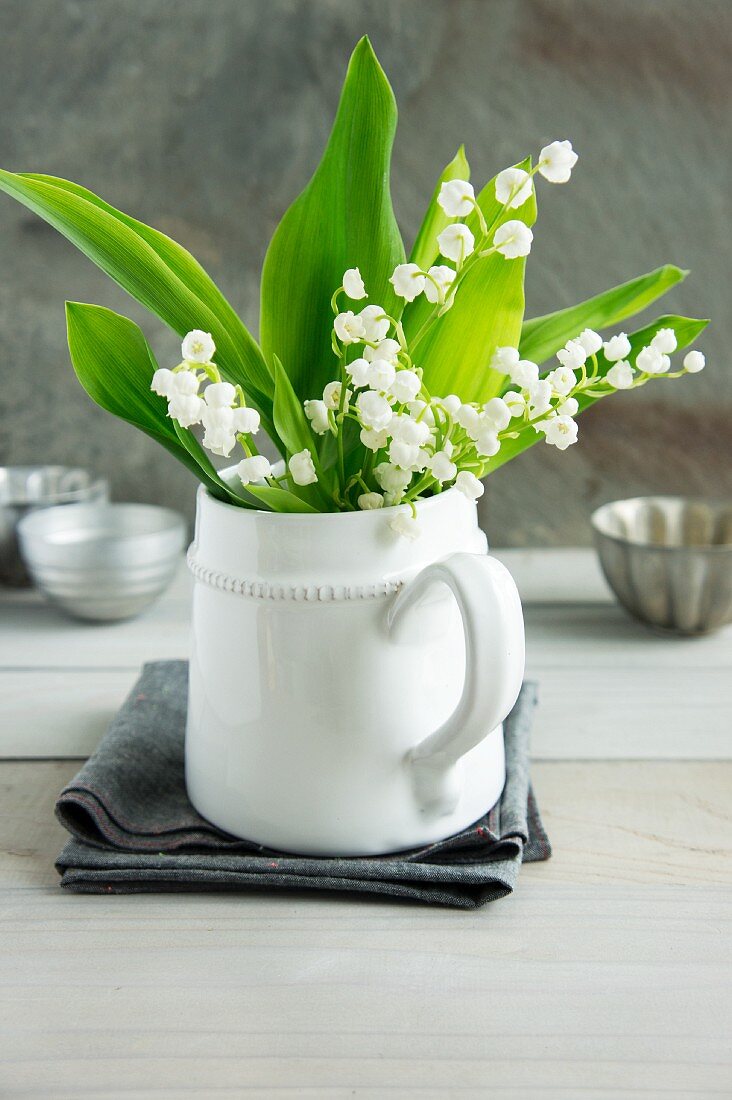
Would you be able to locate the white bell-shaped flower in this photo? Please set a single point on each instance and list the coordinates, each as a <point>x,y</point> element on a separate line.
<point>617,347</point>
<point>442,467</point>
<point>349,328</point>
<point>468,484</point>
<point>514,187</point>
<point>406,386</point>
<point>652,361</point>
<point>560,432</point>
<point>497,413</point>
<point>332,395</point>
<point>572,355</point>
<point>381,375</point>
<point>524,374</point>
<point>256,468</point>
<point>353,284</point>
<point>457,198</point>
<point>163,382</point>
<point>487,443</point>
<point>665,341</point>
<point>374,411</point>
<point>246,421</point>
<point>444,277</point>
<point>590,340</point>
<point>358,372</point>
<point>375,324</point>
<point>504,359</point>
<point>694,361</point>
<point>391,478</point>
<point>373,440</point>
<point>562,380</point>
<point>408,281</point>
<point>197,347</point>
<point>219,394</point>
<point>620,375</point>
<point>405,525</point>
<point>456,242</point>
<point>317,414</point>
<point>368,502</point>
<point>513,239</point>
<point>385,349</point>
<point>557,160</point>
<point>187,409</point>
<point>302,468</point>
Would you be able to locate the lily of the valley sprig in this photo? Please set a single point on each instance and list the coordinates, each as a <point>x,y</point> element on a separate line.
<point>411,443</point>
<point>381,376</point>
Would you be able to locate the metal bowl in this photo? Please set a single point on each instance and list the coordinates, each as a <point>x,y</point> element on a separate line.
<point>24,488</point>
<point>102,562</point>
<point>669,560</point>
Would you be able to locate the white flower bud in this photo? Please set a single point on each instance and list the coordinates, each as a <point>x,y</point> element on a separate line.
<point>457,198</point>
<point>513,239</point>
<point>620,376</point>
<point>185,383</point>
<point>358,371</point>
<point>405,525</point>
<point>391,478</point>
<point>444,277</point>
<point>617,347</point>
<point>694,361</point>
<point>186,409</point>
<point>497,413</point>
<point>590,340</point>
<point>256,468</point>
<point>408,281</point>
<point>367,502</point>
<point>515,403</point>
<point>374,440</point>
<point>403,455</point>
<point>652,361</point>
<point>381,374</point>
<point>524,374</point>
<point>385,349</point>
<point>513,186</point>
<point>317,414</point>
<point>540,397</point>
<point>569,407</point>
<point>572,355</point>
<point>246,421</point>
<point>349,328</point>
<point>442,467</point>
<point>456,242</point>
<point>556,161</point>
<point>219,394</point>
<point>353,284</point>
<point>468,417</point>
<point>198,347</point>
<point>469,485</point>
<point>302,468</point>
<point>504,359</point>
<point>405,386</point>
<point>375,324</point>
<point>163,382</point>
<point>450,404</point>
<point>664,341</point>
<point>374,411</point>
<point>487,443</point>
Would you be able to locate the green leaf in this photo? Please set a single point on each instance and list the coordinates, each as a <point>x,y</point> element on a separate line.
<point>425,251</point>
<point>542,337</point>
<point>114,364</point>
<point>686,328</point>
<point>280,500</point>
<point>156,271</point>
<point>343,219</point>
<point>489,306</point>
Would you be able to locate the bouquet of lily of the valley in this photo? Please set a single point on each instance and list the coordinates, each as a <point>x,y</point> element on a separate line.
<point>380,380</point>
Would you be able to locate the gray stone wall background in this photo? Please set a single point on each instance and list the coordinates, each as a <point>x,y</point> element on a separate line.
<point>206,117</point>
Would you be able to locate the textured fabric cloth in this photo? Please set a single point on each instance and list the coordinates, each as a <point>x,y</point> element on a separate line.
<point>134,830</point>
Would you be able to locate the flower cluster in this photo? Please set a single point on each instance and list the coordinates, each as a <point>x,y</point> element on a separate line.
<point>414,443</point>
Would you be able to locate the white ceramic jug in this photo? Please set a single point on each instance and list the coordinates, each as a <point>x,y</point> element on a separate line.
<point>347,685</point>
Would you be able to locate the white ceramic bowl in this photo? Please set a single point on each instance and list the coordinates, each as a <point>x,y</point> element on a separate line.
<point>102,562</point>
<point>25,488</point>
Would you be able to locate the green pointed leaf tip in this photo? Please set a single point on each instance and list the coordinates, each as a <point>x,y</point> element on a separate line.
<point>153,269</point>
<point>542,337</point>
<point>344,218</point>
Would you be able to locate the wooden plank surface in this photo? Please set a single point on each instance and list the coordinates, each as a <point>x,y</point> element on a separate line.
<point>606,974</point>
<point>609,687</point>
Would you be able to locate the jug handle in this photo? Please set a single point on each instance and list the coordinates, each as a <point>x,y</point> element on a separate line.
<point>490,607</point>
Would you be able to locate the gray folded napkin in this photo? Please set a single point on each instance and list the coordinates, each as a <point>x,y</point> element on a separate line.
<point>134,829</point>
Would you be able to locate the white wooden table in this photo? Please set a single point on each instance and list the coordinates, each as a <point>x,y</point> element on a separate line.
<point>606,974</point>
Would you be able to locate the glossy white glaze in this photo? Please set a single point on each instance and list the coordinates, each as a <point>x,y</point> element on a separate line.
<point>329,708</point>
